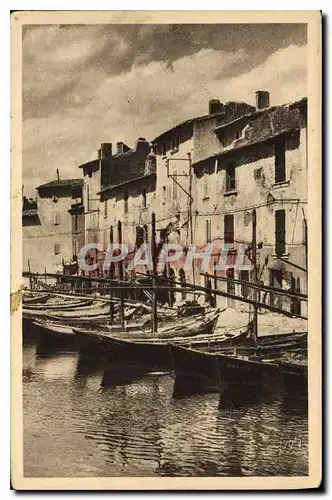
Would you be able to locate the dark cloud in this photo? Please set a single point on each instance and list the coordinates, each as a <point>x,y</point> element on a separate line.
<point>87,84</point>
<point>115,49</point>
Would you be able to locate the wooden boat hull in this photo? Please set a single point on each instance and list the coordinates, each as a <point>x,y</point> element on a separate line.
<point>65,306</point>
<point>39,298</point>
<point>68,313</point>
<point>237,370</point>
<point>295,376</point>
<point>121,351</point>
<point>57,328</point>
<point>131,348</point>
<point>194,370</point>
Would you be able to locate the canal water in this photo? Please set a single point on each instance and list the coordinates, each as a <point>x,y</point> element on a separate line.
<point>77,425</point>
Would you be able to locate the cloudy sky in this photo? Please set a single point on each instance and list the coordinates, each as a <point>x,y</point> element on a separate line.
<point>87,84</point>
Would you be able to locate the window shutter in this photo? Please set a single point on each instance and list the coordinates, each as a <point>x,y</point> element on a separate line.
<point>230,177</point>
<point>56,218</point>
<point>280,225</point>
<point>229,228</point>
<point>208,231</point>
<point>175,186</point>
<point>280,161</point>
<point>230,284</point>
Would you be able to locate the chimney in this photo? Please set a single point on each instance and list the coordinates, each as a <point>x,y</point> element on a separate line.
<point>105,150</point>
<point>262,99</point>
<point>215,106</point>
<point>142,145</point>
<point>119,148</point>
<point>58,174</point>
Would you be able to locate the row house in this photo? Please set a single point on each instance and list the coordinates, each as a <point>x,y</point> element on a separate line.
<point>177,149</point>
<point>127,194</point>
<point>119,186</point>
<point>47,226</point>
<point>202,178</point>
<point>261,164</point>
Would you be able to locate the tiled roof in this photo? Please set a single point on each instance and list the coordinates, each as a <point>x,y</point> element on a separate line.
<point>62,183</point>
<point>264,125</point>
<point>195,119</point>
<point>129,181</point>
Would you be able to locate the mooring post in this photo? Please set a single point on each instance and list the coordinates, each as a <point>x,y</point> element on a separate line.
<point>30,277</point>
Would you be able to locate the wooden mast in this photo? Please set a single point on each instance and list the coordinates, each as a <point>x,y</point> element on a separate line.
<point>254,276</point>
<point>154,260</point>
<point>121,276</point>
<point>111,276</point>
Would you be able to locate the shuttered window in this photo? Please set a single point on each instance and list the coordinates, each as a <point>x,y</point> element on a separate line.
<point>175,186</point>
<point>206,187</point>
<point>146,233</point>
<point>139,237</point>
<point>230,177</point>
<point>280,160</point>
<point>229,228</point>
<point>244,276</point>
<point>208,231</point>
<point>230,284</point>
<point>56,218</point>
<point>280,231</point>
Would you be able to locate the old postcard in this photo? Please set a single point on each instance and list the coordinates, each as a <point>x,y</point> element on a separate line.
<point>166,250</point>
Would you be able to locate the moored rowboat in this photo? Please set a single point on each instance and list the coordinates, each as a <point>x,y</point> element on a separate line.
<point>139,347</point>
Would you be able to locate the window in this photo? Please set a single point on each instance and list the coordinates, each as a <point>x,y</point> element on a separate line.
<point>76,222</point>
<point>87,198</point>
<point>139,236</point>
<point>125,198</point>
<point>244,276</point>
<point>164,148</point>
<point>208,231</point>
<point>164,194</point>
<point>206,187</point>
<point>106,208</point>
<point>175,186</point>
<point>230,284</point>
<point>230,177</point>
<point>56,248</point>
<point>75,249</point>
<point>144,198</point>
<point>146,234</point>
<point>280,225</point>
<point>175,142</point>
<point>56,218</point>
<point>279,160</point>
<point>229,228</point>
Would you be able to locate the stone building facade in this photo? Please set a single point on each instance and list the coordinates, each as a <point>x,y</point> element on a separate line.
<point>261,165</point>
<point>47,228</point>
<point>202,178</point>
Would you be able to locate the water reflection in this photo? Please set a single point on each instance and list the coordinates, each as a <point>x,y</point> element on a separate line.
<point>84,418</point>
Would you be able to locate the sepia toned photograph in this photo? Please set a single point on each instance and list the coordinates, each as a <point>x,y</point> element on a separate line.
<point>165,306</point>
